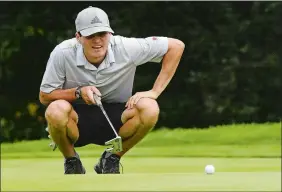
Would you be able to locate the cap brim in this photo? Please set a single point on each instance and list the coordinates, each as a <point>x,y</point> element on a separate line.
<point>92,30</point>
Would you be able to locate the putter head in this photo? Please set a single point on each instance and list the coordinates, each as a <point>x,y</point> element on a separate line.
<point>114,145</point>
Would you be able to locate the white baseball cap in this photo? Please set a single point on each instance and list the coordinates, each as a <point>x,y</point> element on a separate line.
<point>92,20</point>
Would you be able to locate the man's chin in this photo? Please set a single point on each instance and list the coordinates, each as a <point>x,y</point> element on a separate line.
<point>97,58</point>
<point>98,55</point>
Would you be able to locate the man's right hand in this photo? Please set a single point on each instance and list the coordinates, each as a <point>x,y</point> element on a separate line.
<point>87,94</point>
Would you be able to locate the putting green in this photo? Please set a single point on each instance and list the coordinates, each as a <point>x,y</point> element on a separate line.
<point>145,174</point>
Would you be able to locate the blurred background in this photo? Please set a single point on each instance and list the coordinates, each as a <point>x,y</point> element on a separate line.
<point>230,72</point>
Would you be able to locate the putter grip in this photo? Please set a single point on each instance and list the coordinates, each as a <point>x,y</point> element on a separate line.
<point>97,99</point>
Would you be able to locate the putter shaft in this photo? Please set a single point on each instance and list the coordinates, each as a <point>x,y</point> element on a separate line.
<point>99,103</point>
<point>103,110</point>
<point>116,143</point>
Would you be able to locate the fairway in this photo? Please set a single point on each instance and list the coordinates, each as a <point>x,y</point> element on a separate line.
<point>145,174</point>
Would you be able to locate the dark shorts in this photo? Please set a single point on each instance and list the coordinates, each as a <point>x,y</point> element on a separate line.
<point>92,124</point>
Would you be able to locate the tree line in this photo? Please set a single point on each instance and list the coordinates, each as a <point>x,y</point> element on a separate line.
<point>230,71</point>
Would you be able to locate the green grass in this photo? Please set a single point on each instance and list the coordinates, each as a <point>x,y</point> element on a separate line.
<point>263,151</point>
<point>246,158</point>
<point>145,174</point>
<point>244,134</point>
<point>245,140</point>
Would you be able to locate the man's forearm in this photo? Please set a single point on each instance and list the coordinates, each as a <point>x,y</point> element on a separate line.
<point>66,94</point>
<point>169,65</point>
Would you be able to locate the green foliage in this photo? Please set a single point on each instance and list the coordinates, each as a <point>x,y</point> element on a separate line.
<point>230,71</point>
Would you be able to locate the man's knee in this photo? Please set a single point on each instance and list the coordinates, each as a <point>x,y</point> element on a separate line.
<point>149,110</point>
<point>57,113</point>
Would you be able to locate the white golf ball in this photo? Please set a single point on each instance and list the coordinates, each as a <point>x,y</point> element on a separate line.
<point>209,169</point>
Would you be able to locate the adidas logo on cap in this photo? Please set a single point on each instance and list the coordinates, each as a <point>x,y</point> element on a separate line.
<point>96,20</point>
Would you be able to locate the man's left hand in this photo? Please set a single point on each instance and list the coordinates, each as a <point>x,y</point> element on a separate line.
<point>137,96</point>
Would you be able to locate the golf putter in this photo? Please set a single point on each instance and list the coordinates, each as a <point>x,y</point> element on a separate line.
<point>115,144</point>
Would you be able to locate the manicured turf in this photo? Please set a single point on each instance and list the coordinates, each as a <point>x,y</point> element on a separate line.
<point>141,174</point>
<point>247,157</point>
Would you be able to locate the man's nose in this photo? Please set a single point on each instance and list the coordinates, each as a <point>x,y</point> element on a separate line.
<point>96,38</point>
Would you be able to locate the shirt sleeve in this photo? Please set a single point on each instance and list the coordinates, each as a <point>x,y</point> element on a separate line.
<point>54,75</point>
<point>143,50</point>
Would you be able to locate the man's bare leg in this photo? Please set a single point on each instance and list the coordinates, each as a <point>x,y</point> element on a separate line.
<point>62,125</point>
<point>138,122</point>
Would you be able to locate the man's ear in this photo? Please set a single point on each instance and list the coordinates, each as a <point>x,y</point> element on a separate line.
<point>77,36</point>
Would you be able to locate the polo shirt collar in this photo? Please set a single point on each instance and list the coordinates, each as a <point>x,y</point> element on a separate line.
<point>82,61</point>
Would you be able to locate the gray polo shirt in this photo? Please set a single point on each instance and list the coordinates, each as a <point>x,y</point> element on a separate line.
<point>67,66</point>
